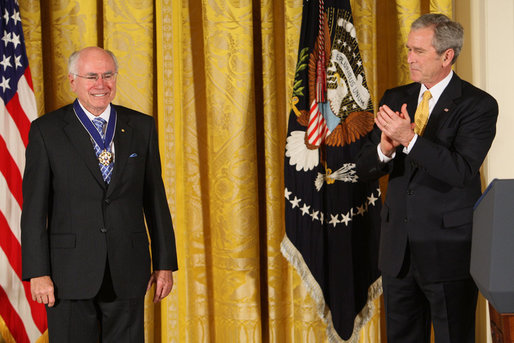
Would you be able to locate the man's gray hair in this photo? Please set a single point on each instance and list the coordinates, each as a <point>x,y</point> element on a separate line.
<point>74,57</point>
<point>448,34</point>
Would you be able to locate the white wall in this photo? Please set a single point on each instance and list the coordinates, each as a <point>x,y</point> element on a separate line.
<point>488,62</point>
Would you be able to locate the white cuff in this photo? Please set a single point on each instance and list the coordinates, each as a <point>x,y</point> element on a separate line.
<point>382,157</point>
<point>408,148</point>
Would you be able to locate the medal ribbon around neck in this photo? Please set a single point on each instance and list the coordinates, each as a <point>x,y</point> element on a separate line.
<point>91,129</point>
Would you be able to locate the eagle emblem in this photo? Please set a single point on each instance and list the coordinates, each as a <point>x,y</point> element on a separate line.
<point>348,111</point>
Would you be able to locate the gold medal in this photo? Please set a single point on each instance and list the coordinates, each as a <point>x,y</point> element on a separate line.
<point>105,157</point>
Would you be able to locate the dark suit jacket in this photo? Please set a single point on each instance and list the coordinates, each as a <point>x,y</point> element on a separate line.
<point>72,221</point>
<point>432,190</point>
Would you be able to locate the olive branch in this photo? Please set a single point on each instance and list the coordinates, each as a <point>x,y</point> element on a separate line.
<point>298,86</point>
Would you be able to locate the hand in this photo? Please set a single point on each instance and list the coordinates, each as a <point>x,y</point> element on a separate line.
<point>163,280</point>
<point>42,290</point>
<point>396,126</point>
<point>387,145</point>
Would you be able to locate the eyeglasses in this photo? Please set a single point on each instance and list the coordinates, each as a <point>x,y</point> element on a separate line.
<point>93,77</point>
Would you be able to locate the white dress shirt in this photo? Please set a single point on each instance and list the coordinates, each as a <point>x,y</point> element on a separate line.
<point>105,115</point>
<point>436,92</point>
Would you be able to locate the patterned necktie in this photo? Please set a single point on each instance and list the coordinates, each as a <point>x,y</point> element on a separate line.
<point>421,115</point>
<point>105,169</point>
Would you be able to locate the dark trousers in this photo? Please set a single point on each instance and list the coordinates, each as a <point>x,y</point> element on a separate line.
<point>412,304</point>
<point>105,318</point>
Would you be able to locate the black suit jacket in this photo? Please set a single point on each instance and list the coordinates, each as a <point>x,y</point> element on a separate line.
<point>72,222</point>
<point>432,190</point>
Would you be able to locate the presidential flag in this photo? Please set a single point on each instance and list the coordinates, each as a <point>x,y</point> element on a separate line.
<point>332,218</point>
<point>24,319</point>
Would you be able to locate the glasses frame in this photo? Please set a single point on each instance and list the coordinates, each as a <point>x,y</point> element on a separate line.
<point>93,77</point>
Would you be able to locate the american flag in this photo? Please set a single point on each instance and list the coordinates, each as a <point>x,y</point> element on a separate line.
<point>24,318</point>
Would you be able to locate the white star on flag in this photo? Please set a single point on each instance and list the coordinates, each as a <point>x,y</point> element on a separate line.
<point>5,84</point>
<point>346,219</point>
<point>6,62</point>
<point>333,220</point>
<point>314,215</point>
<point>295,202</point>
<point>305,209</point>
<point>287,193</point>
<point>372,199</point>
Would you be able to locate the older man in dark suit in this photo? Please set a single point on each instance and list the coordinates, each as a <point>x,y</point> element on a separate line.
<point>92,177</point>
<point>433,162</point>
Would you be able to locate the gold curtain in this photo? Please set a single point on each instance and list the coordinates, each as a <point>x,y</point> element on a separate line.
<point>217,76</point>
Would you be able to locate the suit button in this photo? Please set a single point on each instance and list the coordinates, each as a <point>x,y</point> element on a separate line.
<point>102,229</point>
<point>405,220</point>
<point>108,201</point>
<point>410,192</point>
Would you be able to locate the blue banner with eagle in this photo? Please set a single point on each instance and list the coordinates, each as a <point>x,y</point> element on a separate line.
<point>332,218</point>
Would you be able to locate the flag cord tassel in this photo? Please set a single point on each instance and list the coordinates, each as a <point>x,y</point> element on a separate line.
<point>321,75</point>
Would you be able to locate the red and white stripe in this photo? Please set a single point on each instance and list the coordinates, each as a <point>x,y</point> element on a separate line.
<point>317,130</point>
<point>25,319</point>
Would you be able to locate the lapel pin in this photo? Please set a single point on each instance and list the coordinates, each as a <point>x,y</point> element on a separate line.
<point>446,110</point>
<point>122,130</point>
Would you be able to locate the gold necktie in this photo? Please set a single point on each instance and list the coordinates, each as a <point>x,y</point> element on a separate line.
<point>421,115</point>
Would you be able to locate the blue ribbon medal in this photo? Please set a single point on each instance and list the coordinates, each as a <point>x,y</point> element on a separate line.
<point>105,156</point>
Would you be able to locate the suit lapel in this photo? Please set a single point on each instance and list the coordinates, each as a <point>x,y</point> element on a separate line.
<point>412,102</point>
<point>444,107</point>
<point>122,138</point>
<point>81,141</point>
<point>441,113</point>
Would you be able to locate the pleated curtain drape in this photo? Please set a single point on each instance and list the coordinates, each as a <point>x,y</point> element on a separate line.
<point>217,76</point>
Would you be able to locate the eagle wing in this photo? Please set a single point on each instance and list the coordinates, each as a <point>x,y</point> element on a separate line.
<point>354,127</point>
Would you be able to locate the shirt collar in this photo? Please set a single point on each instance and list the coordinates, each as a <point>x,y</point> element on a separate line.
<point>437,89</point>
<point>104,115</point>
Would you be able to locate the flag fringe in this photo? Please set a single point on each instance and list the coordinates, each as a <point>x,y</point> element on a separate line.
<point>294,257</point>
